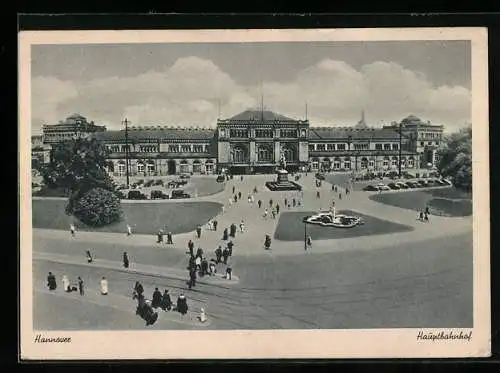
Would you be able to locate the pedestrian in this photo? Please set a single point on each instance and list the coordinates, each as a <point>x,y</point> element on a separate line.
<point>138,290</point>
<point>160,236</point>
<point>72,229</point>
<point>347,191</point>
<point>230,201</point>
<point>202,317</point>
<point>285,201</point>
<point>212,267</point>
<point>225,255</point>
<point>255,190</point>
<point>169,239</point>
<point>156,298</point>
<point>335,189</point>
<point>80,286</point>
<point>277,208</point>
<point>214,224</point>
<point>89,257</point>
<point>199,253</point>
<point>104,286</point>
<point>166,301</point>
<point>242,227</point>
<point>249,199</point>
<point>225,234</point>
<point>421,216</point>
<point>65,282</point>
<point>182,306</point>
<point>230,246</point>
<point>234,188</point>
<point>317,194</point>
<point>241,178</point>
<point>192,278</point>
<point>259,202</point>
<point>267,242</point>
<point>198,231</point>
<point>235,198</point>
<point>191,247</point>
<point>129,230</point>
<point>239,195</point>
<point>273,213</point>
<point>197,262</point>
<point>51,281</point>
<point>426,217</point>
<point>204,266</point>
<point>309,243</point>
<point>229,271</point>
<point>265,213</point>
<point>232,231</point>
<point>125,260</point>
<point>270,203</point>
<point>294,202</point>
<point>427,210</point>
<point>223,209</point>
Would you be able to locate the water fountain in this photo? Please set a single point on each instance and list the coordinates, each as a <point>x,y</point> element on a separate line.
<point>332,219</point>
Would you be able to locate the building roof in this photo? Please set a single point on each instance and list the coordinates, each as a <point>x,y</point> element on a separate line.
<point>157,133</point>
<point>337,133</point>
<point>257,115</point>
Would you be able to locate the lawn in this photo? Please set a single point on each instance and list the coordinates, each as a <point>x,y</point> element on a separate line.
<point>442,202</point>
<point>291,228</point>
<point>145,218</point>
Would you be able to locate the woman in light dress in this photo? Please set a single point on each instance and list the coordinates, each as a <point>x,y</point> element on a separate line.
<point>65,282</point>
<point>104,286</point>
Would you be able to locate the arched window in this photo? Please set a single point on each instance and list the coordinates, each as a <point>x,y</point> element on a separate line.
<point>140,168</point>
<point>411,162</point>
<point>209,166</point>
<point>385,163</point>
<point>265,153</point>
<point>196,166</point>
<point>150,167</point>
<point>364,163</point>
<point>238,154</point>
<point>184,166</point>
<point>289,154</point>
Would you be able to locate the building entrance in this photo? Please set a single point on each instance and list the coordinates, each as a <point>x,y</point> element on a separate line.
<point>171,167</point>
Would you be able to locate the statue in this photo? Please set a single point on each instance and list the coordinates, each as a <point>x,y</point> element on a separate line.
<point>282,158</point>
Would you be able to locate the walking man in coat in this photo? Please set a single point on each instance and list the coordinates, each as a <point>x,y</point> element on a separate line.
<point>156,299</point>
<point>214,224</point>
<point>230,245</point>
<point>72,229</point>
<point>191,247</point>
<point>218,254</point>
<point>166,302</point>
<point>182,306</point>
<point>51,281</point>
<point>169,239</point>
<point>225,255</point>
<point>259,202</point>
<point>125,260</point>
<point>198,231</point>
<point>80,286</point>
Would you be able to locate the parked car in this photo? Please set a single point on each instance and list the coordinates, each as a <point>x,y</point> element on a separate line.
<point>394,186</point>
<point>139,182</point>
<point>135,194</point>
<point>184,176</point>
<point>158,182</point>
<point>370,188</point>
<point>320,176</point>
<point>179,193</point>
<point>412,184</point>
<point>148,183</point>
<point>220,178</point>
<point>422,183</point>
<point>408,175</point>
<point>382,187</point>
<point>158,194</point>
<point>402,185</point>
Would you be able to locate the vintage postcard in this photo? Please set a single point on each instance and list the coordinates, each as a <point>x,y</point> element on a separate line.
<point>218,194</point>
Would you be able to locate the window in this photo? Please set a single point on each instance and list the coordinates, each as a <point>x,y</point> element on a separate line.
<point>185,148</point>
<point>209,166</point>
<point>378,146</point>
<point>239,133</point>
<point>311,147</point>
<point>151,168</point>
<point>268,134</point>
<point>320,147</point>
<point>288,133</point>
<point>114,148</point>
<point>422,143</point>
<point>386,163</point>
<point>124,148</point>
<point>198,148</point>
<point>121,169</point>
<point>148,148</point>
<point>336,163</point>
<point>347,164</point>
<point>364,163</point>
<point>371,163</point>
<point>387,146</point>
<point>394,162</point>
<point>437,142</point>
<point>315,163</point>
<point>410,162</point>
<point>340,146</point>
<point>330,146</point>
<point>238,155</point>
<point>196,166</point>
<point>395,146</point>
<point>429,143</point>
<point>361,146</point>
<point>140,168</point>
<point>173,148</point>
<point>264,154</point>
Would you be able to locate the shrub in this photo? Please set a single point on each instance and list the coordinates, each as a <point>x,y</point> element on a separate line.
<point>135,194</point>
<point>98,207</point>
<point>158,194</point>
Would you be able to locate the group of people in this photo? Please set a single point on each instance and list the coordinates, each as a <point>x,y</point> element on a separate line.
<point>424,215</point>
<point>160,237</point>
<point>79,285</point>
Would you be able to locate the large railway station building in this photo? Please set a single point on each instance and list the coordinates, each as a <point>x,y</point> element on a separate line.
<point>252,142</point>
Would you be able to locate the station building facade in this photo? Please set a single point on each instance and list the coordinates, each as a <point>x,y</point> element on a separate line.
<point>253,141</point>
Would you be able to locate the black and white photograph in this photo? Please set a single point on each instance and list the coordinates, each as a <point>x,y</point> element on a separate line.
<point>254,193</point>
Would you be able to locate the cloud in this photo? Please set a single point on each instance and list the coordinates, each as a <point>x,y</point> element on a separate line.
<point>190,92</point>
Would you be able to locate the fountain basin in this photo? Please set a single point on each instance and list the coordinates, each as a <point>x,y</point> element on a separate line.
<point>328,219</point>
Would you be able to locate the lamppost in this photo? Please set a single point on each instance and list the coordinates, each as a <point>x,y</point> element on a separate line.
<point>349,142</point>
<point>126,122</point>
<point>305,234</point>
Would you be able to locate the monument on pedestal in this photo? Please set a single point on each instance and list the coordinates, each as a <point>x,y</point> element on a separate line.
<point>282,183</point>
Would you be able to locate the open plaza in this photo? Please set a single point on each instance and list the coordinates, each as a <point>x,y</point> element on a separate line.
<point>394,270</point>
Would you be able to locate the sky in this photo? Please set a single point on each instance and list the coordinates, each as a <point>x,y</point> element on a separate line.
<point>188,84</point>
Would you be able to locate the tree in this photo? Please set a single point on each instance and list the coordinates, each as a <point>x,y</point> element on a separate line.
<point>456,158</point>
<point>98,207</point>
<point>78,166</point>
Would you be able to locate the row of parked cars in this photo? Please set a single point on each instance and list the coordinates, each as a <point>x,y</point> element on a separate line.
<point>421,183</point>
<point>173,184</point>
<point>156,194</point>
